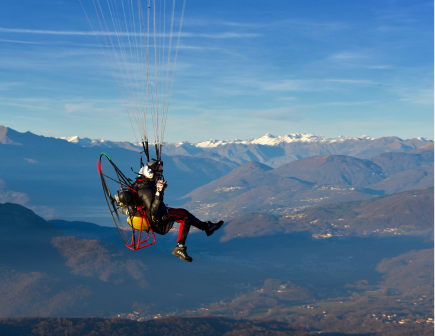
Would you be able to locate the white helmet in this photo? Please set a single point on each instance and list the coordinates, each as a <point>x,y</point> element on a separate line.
<point>147,172</point>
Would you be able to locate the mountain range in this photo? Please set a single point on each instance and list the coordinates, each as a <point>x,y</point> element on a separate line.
<point>57,178</point>
<point>318,180</point>
<point>273,150</point>
<point>334,241</point>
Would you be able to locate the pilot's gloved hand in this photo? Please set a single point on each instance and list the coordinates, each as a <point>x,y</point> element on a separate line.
<point>161,186</point>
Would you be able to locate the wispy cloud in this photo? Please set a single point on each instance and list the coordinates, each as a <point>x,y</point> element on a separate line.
<point>222,35</point>
<point>287,98</point>
<point>421,97</point>
<point>380,67</point>
<point>212,22</point>
<point>349,56</point>
<point>339,103</point>
<point>352,81</point>
<point>93,108</point>
<point>281,113</point>
<point>323,25</point>
<point>20,42</point>
<point>303,85</point>
<point>48,32</point>
<point>366,58</point>
<point>254,25</point>
<point>303,25</point>
<point>8,85</point>
<point>292,85</point>
<point>48,60</point>
<point>70,106</point>
<point>27,103</point>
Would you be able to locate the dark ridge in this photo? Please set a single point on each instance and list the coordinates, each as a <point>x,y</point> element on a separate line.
<point>171,326</point>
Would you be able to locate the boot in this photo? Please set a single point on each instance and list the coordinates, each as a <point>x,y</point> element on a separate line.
<point>181,253</point>
<point>212,227</point>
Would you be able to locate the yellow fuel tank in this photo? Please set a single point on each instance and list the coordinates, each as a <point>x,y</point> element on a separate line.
<point>138,223</point>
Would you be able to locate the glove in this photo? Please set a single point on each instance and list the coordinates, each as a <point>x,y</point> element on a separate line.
<point>161,186</point>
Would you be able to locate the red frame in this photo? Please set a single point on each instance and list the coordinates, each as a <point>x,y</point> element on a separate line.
<point>139,244</point>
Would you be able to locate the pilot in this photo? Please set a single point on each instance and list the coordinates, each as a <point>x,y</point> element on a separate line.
<point>150,187</point>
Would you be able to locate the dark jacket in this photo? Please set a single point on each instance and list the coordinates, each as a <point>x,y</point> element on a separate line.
<point>154,206</point>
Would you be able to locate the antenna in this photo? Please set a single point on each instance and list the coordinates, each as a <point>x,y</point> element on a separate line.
<point>157,152</point>
<point>146,149</point>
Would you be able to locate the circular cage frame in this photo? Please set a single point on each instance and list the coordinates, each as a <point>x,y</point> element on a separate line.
<point>133,238</point>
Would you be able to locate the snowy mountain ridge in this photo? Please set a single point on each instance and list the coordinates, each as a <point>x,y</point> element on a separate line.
<point>272,140</point>
<point>86,142</point>
<point>75,139</point>
<point>266,140</point>
<point>272,150</point>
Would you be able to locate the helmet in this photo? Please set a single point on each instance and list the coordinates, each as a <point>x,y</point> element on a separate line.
<point>156,166</point>
<point>147,172</point>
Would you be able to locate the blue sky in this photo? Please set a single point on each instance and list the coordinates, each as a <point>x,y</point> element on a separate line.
<point>244,69</point>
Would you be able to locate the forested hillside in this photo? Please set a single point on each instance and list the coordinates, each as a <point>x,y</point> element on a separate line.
<point>313,181</point>
<point>407,213</point>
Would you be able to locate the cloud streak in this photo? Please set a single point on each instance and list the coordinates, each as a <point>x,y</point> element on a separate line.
<point>20,42</point>
<point>8,85</point>
<point>303,85</point>
<point>223,35</point>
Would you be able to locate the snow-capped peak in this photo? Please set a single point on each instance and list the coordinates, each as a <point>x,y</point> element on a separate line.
<point>272,140</point>
<point>74,139</point>
<point>85,142</point>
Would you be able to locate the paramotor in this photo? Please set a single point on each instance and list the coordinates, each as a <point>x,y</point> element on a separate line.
<point>122,198</point>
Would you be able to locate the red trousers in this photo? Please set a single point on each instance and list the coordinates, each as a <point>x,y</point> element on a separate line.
<point>182,216</point>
